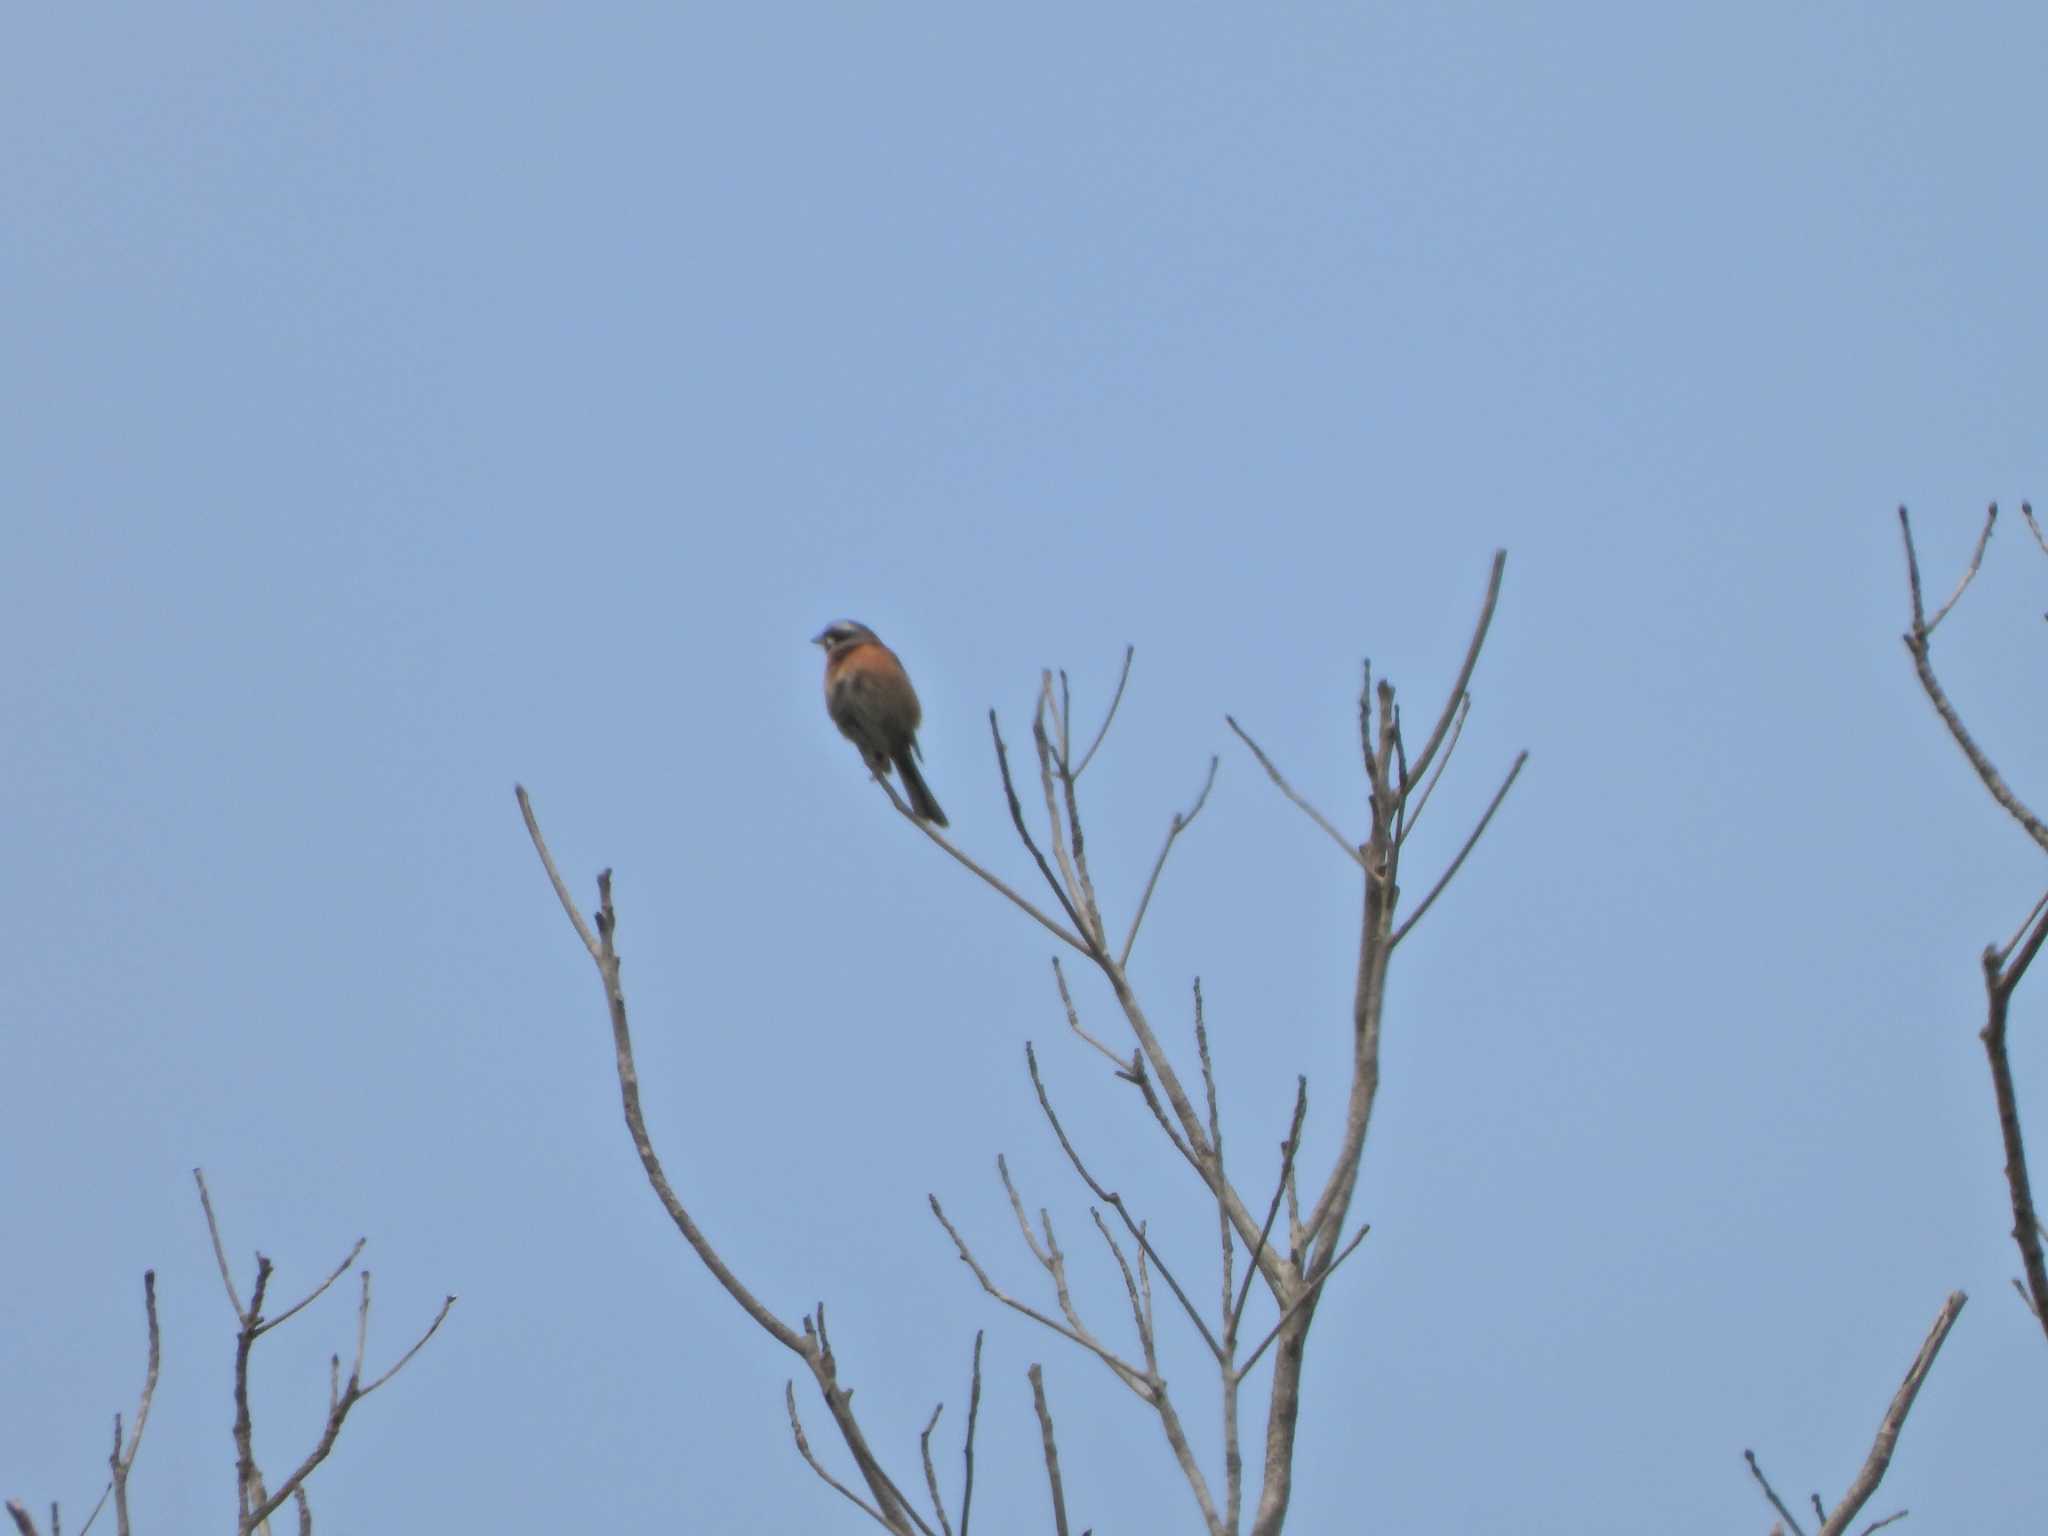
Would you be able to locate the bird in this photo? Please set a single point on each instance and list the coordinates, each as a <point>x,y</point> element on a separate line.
<point>869,697</point>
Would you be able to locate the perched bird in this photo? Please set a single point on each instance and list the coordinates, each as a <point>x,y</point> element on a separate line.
<point>869,697</point>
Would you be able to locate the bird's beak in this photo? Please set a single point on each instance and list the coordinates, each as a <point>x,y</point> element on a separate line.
<point>819,637</point>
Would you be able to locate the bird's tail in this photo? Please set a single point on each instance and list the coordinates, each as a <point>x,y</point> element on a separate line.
<point>922,805</point>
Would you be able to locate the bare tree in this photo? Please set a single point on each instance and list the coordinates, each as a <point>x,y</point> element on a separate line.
<point>254,1503</point>
<point>1288,1267</point>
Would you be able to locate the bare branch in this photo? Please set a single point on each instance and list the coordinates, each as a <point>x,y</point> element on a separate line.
<point>1059,977</point>
<point>1878,1525</point>
<point>1410,818</point>
<point>1470,842</point>
<point>803,1446</point>
<point>2026,511</point>
<point>248,1482</point>
<point>1969,575</point>
<point>123,1459</point>
<point>1226,1232</point>
<point>1916,645</point>
<point>1124,1371</point>
<point>1115,699</point>
<point>931,1473</point>
<point>313,1295</point>
<point>418,1344</point>
<point>24,1522</point>
<point>1031,845</point>
<point>1464,682</point>
<point>2004,951</point>
<point>1771,1493</point>
<point>1307,1295</point>
<point>1284,1183</point>
<point>1089,904</point>
<point>1052,1452</point>
<point>547,862</point>
<point>1001,887</point>
<point>1088,918</point>
<point>1350,851</point>
<point>1894,1420</point>
<point>220,1253</point>
<point>1114,1201</point>
<point>362,1332</point>
<point>2000,981</point>
<point>1141,1310</point>
<point>1179,824</point>
<point>261,1505</point>
<point>967,1452</point>
<point>1135,1074</point>
<point>898,1515</point>
<point>604,953</point>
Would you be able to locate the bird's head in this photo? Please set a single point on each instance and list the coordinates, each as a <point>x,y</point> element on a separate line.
<point>840,634</point>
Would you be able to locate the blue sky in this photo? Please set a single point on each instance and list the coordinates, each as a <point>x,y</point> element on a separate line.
<point>401,403</point>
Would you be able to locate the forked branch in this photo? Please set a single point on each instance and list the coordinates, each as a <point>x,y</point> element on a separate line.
<point>1838,1521</point>
<point>1917,639</point>
<point>811,1345</point>
<point>2004,966</point>
<point>256,1502</point>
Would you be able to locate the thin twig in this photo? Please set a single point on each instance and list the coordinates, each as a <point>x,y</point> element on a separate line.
<point>996,882</point>
<point>123,1459</point>
<point>1089,905</point>
<point>1969,575</point>
<point>803,1446</point>
<point>931,1473</point>
<point>1410,818</point>
<point>1115,1202</point>
<point>1087,920</point>
<point>2005,950</point>
<point>967,1451</point>
<point>1052,1450</point>
<point>1024,832</point>
<point>1881,1449</point>
<point>313,1295</point>
<point>1878,1525</point>
<point>1285,1182</point>
<point>220,1252</point>
<point>24,1522</point>
<point>899,1515</point>
<point>1771,1493</point>
<point>1464,682</point>
<point>2027,511</point>
<point>1141,1315</point>
<point>1115,699</point>
<point>1059,977</point>
<point>2000,982</point>
<point>353,1391</point>
<point>1350,850</point>
<point>1226,1232</point>
<point>1122,1369</point>
<point>1917,647</point>
<point>547,862</point>
<point>1470,842</point>
<point>1134,1073</point>
<point>1306,1295</point>
<point>418,1344</point>
<point>1179,824</point>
